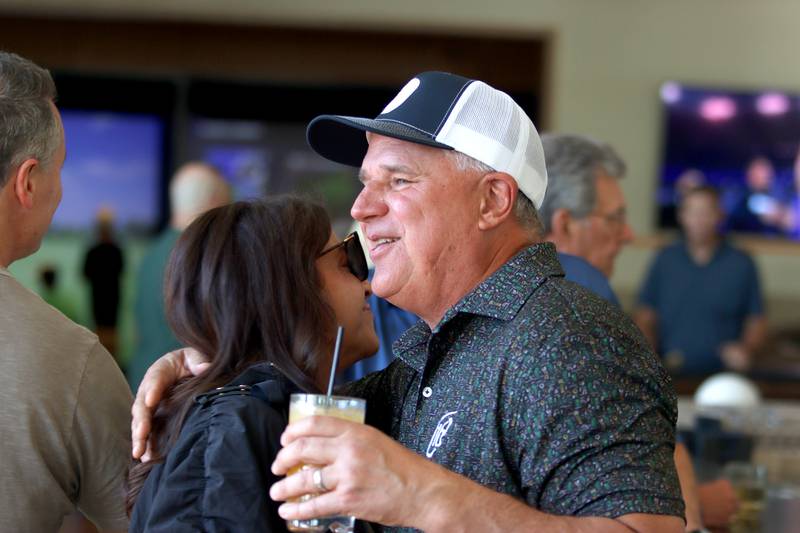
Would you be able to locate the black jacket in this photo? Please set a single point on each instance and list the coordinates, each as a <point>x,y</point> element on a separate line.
<point>217,476</point>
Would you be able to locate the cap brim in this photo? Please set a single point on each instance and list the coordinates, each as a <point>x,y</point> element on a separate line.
<point>342,139</point>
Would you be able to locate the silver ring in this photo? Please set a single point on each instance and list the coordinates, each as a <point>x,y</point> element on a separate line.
<point>316,476</point>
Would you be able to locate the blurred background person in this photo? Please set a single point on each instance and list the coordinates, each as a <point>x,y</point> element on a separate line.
<point>584,210</point>
<point>50,291</point>
<point>195,188</point>
<point>103,268</point>
<point>789,216</point>
<point>792,224</point>
<point>756,210</point>
<point>686,181</point>
<point>700,305</point>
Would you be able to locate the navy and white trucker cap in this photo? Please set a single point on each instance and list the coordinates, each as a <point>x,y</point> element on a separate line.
<point>445,111</point>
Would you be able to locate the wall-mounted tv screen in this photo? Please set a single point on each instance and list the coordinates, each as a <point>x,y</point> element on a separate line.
<point>260,157</point>
<point>744,143</point>
<point>114,164</point>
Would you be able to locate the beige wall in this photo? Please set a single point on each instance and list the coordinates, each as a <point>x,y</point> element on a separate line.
<point>609,58</point>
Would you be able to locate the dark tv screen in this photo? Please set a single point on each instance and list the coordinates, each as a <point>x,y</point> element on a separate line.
<point>114,164</point>
<point>744,143</point>
<point>260,157</point>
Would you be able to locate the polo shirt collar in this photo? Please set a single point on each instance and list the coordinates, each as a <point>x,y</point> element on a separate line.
<point>500,296</point>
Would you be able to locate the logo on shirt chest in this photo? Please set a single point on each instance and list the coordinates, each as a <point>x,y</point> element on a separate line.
<point>444,425</point>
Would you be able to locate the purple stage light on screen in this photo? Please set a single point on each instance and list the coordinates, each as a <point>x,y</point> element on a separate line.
<point>718,108</point>
<point>772,104</point>
<point>721,136</point>
<point>671,92</point>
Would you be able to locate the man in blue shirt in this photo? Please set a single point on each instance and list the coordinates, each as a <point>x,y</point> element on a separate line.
<point>584,209</point>
<point>390,323</point>
<point>195,188</point>
<point>701,305</point>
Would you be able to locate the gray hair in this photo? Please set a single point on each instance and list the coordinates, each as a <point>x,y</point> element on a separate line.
<point>28,126</point>
<point>572,164</point>
<point>524,210</point>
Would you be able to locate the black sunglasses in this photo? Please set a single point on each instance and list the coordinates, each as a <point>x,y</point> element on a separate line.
<point>356,261</point>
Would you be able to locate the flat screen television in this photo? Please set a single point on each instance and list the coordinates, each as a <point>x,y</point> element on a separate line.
<point>744,143</point>
<point>114,165</point>
<point>261,157</point>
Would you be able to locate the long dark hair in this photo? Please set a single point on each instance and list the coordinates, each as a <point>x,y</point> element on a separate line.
<point>242,287</point>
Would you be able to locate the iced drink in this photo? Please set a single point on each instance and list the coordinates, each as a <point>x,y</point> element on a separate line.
<point>305,405</point>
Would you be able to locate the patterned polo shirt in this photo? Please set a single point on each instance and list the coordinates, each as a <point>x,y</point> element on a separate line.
<point>535,387</point>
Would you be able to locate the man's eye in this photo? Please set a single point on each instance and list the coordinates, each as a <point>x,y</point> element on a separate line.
<point>400,181</point>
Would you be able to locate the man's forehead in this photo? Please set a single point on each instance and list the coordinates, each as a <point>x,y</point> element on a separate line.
<point>387,154</point>
<point>609,190</point>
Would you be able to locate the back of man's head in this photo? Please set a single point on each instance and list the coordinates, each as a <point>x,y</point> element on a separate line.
<point>195,188</point>
<point>28,126</point>
<point>573,163</point>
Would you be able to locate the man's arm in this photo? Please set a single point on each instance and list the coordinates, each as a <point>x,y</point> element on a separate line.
<point>683,464</point>
<point>99,440</point>
<point>646,319</point>
<point>374,478</point>
<point>739,355</point>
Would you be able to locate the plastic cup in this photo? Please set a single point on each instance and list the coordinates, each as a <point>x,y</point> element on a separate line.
<point>302,406</point>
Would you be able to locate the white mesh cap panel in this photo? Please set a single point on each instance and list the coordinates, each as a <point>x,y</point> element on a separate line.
<point>483,112</point>
<point>488,125</point>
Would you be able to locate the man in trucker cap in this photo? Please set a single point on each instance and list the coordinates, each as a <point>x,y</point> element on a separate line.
<point>520,401</point>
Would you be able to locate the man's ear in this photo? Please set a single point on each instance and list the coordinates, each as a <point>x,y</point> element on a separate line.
<point>561,224</point>
<point>498,193</point>
<point>23,182</point>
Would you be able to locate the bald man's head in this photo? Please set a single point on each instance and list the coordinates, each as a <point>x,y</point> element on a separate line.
<point>195,188</point>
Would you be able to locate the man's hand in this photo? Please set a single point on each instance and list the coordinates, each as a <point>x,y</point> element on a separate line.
<point>368,474</point>
<point>718,502</point>
<point>159,377</point>
<point>372,477</point>
<point>735,356</point>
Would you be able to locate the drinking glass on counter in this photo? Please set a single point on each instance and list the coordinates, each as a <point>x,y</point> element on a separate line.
<point>750,482</point>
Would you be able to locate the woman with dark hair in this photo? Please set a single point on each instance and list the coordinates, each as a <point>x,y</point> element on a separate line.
<point>261,287</point>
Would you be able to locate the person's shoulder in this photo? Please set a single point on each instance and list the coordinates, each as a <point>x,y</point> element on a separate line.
<point>735,254</point>
<point>580,271</point>
<point>34,323</point>
<point>236,425</point>
<point>671,256</point>
<point>577,267</point>
<point>572,335</point>
<point>157,253</point>
<point>561,307</point>
<point>673,250</point>
<point>260,394</point>
<point>563,316</point>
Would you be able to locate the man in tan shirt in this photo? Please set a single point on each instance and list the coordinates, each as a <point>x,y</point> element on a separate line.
<point>65,404</point>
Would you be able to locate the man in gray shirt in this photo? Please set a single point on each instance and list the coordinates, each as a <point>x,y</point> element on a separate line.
<point>65,416</point>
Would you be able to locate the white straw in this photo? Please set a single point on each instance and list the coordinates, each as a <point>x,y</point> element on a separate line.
<point>335,362</point>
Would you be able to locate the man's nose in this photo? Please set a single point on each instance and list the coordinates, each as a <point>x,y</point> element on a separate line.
<point>627,233</point>
<point>368,203</point>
